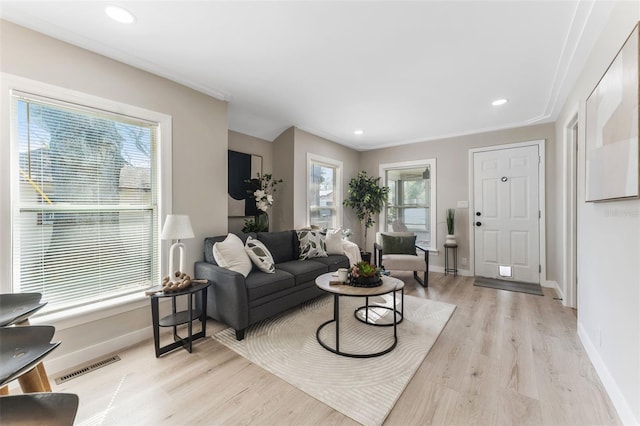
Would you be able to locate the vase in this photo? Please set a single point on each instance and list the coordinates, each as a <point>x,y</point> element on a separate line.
<point>262,222</point>
<point>451,239</point>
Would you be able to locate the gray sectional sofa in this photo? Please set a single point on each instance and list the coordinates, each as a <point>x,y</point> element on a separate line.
<point>240,302</point>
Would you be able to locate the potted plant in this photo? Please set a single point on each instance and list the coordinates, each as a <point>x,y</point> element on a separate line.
<point>451,238</point>
<point>367,198</point>
<point>261,192</point>
<point>364,274</point>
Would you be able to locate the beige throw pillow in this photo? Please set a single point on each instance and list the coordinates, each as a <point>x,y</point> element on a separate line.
<point>230,254</point>
<point>334,241</point>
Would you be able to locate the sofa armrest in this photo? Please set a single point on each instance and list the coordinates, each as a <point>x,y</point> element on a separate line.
<point>227,299</point>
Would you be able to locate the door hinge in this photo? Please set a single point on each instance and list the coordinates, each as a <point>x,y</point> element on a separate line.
<point>539,214</point>
<point>539,268</point>
<point>539,159</point>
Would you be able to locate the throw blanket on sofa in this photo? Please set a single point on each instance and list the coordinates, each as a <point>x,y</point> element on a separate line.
<point>352,251</point>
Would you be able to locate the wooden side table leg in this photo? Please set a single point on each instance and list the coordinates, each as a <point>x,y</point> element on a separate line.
<point>30,382</point>
<point>43,377</point>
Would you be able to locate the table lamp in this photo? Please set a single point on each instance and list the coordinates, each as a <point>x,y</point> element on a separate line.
<point>176,227</point>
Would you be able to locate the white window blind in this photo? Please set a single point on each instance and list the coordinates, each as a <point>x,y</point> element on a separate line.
<point>85,199</point>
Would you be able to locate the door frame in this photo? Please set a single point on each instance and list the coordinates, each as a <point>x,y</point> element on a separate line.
<point>569,288</point>
<point>541,203</point>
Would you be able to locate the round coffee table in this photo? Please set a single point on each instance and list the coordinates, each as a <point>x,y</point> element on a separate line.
<point>389,285</point>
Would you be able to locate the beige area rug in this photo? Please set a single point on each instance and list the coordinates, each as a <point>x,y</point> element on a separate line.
<point>364,389</point>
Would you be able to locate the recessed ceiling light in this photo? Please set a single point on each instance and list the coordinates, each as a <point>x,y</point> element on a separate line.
<point>119,14</point>
<point>499,102</point>
<point>358,132</point>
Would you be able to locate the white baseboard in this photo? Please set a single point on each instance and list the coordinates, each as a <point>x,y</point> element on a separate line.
<point>73,359</point>
<point>463,272</point>
<point>619,402</point>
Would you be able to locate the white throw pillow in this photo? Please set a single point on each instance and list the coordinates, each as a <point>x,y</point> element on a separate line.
<point>230,254</point>
<point>334,241</point>
<point>260,255</point>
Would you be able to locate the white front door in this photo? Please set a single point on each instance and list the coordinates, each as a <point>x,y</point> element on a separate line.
<point>506,214</point>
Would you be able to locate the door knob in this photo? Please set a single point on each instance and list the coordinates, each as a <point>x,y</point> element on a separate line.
<point>478,214</point>
<point>478,223</point>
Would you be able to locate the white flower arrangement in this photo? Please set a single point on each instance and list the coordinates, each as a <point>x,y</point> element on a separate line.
<point>263,200</point>
<point>265,185</point>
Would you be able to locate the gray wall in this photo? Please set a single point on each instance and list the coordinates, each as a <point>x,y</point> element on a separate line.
<point>281,216</point>
<point>307,143</point>
<point>199,125</point>
<point>452,163</point>
<point>290,151</point>
<point>608,242</point>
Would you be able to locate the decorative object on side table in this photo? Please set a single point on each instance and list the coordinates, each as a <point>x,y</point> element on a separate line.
<point>177,227</point>
<point>364,274</point>
<point>451,238</point>
<point>262,189</point>
<point>367,198</point>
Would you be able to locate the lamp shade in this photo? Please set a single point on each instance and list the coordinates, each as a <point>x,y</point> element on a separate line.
<point>177,227</point>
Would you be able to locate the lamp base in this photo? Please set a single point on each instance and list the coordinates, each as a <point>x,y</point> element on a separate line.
<point>181,255</point>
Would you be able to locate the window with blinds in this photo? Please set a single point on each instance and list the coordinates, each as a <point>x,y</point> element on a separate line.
<point>85,216</point>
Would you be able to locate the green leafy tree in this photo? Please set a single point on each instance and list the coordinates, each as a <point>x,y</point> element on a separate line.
<point>367,198</point>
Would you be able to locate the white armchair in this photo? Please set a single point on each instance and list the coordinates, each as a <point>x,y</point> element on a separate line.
<point>402,254</point>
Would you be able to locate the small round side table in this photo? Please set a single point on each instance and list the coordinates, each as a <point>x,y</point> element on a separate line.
<point>177,318</point>
<point>453,269</point>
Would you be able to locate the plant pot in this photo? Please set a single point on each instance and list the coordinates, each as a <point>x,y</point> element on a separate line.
<point>451,239</point>
<point>366,256</point>
<point>374,281</point>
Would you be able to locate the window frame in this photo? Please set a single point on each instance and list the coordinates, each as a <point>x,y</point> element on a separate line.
<point>9,184</point>
<point>328,162</point>
<point>412,164</point>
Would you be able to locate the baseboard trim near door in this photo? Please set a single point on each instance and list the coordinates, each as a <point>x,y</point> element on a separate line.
<point>440,269</point>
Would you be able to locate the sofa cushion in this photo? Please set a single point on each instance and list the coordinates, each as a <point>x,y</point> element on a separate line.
<point>230,254</point>
<point>303,270</point>
<point>312,244</point>
<point>260,284</point>
<point>334,261</point>
<point>280,244</point>
<point>260,255</point>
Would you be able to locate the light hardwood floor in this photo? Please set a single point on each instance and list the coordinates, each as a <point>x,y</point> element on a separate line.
<point>503,359</point>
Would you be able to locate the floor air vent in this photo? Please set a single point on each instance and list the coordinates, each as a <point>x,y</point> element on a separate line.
<point>87,369</point>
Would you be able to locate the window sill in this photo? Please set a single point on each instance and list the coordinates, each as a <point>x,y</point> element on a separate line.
<point>93,312</point>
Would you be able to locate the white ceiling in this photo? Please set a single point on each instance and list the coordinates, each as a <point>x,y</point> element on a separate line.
<point>402,71</point>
